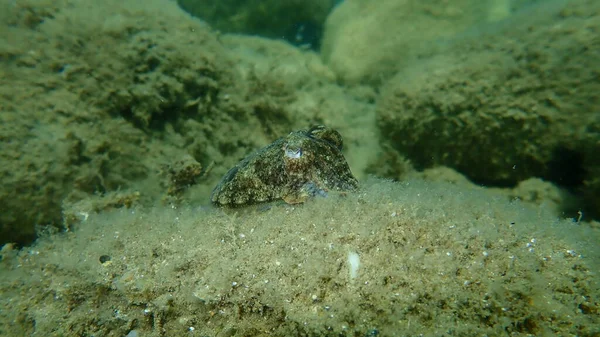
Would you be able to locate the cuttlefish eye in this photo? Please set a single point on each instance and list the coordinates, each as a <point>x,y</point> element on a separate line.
<point>327,134</point>
<point>293,152</point>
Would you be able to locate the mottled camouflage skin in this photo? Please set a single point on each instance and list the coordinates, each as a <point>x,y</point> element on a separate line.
<point>302,164</point>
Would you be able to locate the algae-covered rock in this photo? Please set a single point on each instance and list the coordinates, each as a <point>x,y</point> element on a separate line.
<point>365,41</point>
<point>503,107</point>
<point>86,94</point>
<point>395,259</point>
<point>100,97</point>
<point>83,90</point>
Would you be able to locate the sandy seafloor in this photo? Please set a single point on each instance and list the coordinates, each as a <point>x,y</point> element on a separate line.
<point>117,120</point>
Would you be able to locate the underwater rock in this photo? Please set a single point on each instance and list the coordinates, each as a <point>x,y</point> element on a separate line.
<point>506,107</point>
<point>366,41</point>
